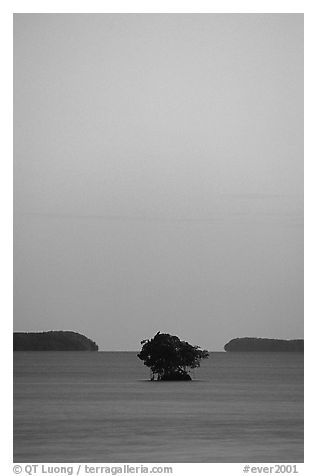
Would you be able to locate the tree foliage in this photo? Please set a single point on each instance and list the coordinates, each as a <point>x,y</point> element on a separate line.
<point>169,358</point>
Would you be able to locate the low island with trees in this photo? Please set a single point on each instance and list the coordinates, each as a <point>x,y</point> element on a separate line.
<point>256,344</point>
<point>170,358</point>
<point>52,340</point>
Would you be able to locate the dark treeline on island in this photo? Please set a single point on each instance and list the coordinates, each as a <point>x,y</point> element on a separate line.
<point>255,344</point>
<point>52,340</point>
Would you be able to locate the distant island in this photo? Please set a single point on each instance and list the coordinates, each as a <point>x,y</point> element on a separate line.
<point>255,344</point>
<point>52,340</point>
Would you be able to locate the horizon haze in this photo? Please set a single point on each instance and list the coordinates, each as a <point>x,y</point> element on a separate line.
<point>158,176</point>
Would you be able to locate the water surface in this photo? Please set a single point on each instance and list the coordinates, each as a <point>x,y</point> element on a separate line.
<point>100,407</point>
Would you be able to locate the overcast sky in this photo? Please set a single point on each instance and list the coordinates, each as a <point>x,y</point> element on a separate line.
<point>158,165</point>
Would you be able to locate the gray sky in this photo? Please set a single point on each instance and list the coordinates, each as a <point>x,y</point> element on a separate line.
<point>158,165</point>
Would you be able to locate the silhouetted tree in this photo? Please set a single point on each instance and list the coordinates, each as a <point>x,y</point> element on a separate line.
<point>170,358</point>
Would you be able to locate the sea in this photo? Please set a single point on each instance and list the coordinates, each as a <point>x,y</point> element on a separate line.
<point>102,407</point>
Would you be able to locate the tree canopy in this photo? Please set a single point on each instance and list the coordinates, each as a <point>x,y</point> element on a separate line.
<point>169,358</point>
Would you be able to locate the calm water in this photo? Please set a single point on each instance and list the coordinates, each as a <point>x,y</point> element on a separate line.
<point>99,407</point>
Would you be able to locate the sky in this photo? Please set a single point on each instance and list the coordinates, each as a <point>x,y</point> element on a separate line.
<point>158,176</point>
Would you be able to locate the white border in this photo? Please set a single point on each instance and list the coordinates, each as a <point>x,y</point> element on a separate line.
<point>156,6</point>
